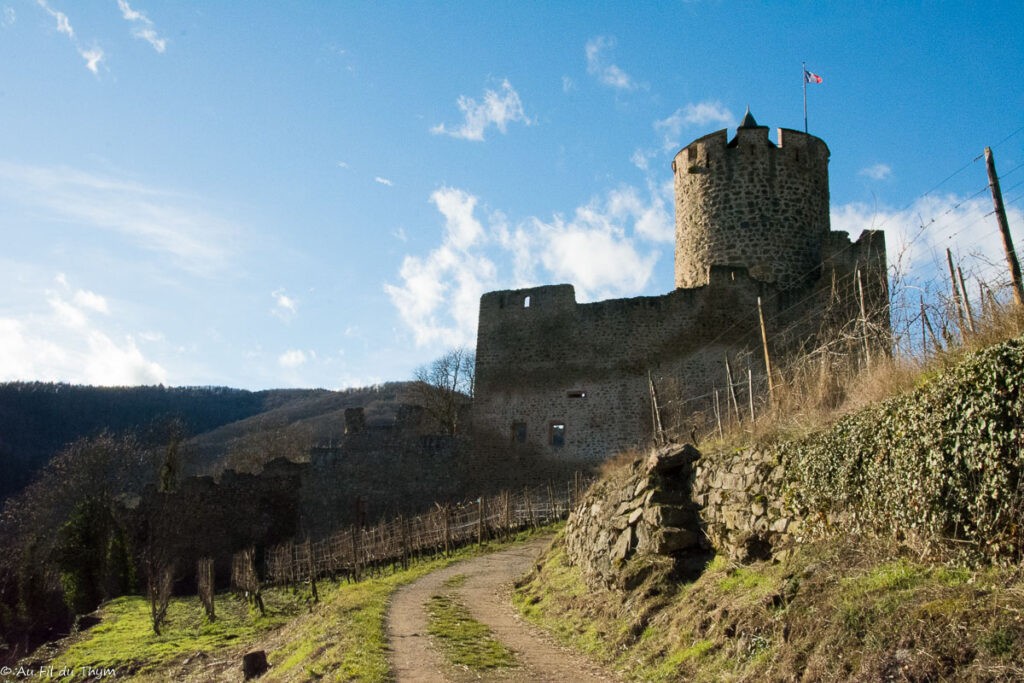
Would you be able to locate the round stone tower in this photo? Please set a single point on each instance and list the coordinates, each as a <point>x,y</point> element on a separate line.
<point>749,202</point>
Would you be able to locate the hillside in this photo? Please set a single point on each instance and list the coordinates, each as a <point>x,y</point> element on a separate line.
<point>885,546</point>
<point>37,419</point>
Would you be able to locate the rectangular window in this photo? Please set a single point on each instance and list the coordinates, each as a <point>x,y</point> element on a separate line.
<point>576,393</point>
<point>518,432</point>
<point>526,302</point>
<point>557,434</point>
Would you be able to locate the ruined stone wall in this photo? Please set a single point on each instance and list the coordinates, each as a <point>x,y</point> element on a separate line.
<point>678,506</point>
<point>586,366</point>
<point>751,203</point>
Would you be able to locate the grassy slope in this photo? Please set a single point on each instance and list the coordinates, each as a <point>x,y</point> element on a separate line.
<point>341,638</point>
<point>852,609</point>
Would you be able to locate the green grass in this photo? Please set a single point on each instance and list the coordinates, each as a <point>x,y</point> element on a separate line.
<point>125,640</point>
<point>340,638</point>
<point>463,640</point>
<point>839,610</point>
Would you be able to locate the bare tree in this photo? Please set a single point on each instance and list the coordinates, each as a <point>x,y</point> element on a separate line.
<point>445,386</point>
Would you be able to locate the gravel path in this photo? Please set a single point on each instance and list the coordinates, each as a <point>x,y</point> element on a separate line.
<point>487,593</point>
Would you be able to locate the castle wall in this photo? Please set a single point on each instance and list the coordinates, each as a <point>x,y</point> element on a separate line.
<point>587,366</point>
<point>751,203</point>
<point>752,221</point>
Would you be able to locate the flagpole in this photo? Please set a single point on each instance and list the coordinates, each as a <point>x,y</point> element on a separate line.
<point>803,77</point>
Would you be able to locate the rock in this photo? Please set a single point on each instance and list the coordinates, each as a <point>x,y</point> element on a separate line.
<point>671,461</point>
<point>623,546</point>
<point>673,540</point>
<point>254,664</point>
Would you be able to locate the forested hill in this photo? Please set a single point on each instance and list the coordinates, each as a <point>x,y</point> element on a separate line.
<point>38,419</point>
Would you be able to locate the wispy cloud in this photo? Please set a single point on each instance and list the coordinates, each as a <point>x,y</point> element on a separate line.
<point>694,114</point>
<point>93,56</point>
<point>63,23</point>
<point>156,220</point>
<point>498,109</point>
<point>285,307</point>
<point>8,17</point>
<point>600,67</point>
<point>292,358</point>
<point>62,342</point>
<point>383,181</point>
<point>144,28</point>
<point>876,172</point>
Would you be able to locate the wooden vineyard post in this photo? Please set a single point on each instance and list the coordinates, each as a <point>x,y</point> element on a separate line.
<point>863,321</point>
<point>731,396</point>
<point>480,521</point>
<point>1004,228</point>
<point>750,393</point>
<point>967,300</point>
<point>956,292</point>
<point>767,357</point>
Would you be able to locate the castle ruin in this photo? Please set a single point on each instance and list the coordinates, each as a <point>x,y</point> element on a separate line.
<point>752,225</point>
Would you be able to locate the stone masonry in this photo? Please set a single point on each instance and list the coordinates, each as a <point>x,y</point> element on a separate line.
<point>573,380</point>
<point>676,505</point>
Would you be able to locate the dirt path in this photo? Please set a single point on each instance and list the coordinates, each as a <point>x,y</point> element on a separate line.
<point>486,592</point>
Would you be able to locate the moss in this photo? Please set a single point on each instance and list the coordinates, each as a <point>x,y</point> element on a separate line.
<point>464,641</point>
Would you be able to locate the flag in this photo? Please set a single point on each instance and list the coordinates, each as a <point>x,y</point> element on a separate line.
<point>811,78</point>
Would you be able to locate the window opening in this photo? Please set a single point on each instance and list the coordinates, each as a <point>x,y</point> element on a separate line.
<point>519,432</point>
<point>576,393</point>
<point>526,302</point>
<point>557,434</point>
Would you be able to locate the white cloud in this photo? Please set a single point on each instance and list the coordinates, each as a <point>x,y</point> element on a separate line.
<point>440,293</point>
<point>600,250</point>
<point>917,237</point>
<point>383,181</point>
<point>694,114</point>
<point>497,109</point>
<point>292,358</point>
<point>63,23</point>
<point>606,72</point>
<point>92,57</point>
<point>91,301</point>
<point>285,307</point>
<point>342,164</point>
<point>876,172</point>
<point>568,85</point>
<point>65,344</point>
<point>8,17</point>
<point>145,29</point>
<point>156,220</point>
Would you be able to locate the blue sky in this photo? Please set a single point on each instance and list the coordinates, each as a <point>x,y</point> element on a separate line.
<point>267,195</point>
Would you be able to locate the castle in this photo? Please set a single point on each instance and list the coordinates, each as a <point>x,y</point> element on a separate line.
<point>580,381</point>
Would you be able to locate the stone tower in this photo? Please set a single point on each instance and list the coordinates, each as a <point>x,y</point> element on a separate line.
<point>752,203</point>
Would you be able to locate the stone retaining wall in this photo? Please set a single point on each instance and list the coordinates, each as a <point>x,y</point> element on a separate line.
<point>679,505</point>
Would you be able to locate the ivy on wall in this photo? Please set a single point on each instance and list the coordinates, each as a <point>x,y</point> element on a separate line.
<point>940,466</point>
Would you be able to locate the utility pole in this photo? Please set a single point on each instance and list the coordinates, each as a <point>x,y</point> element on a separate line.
<point>1004,227</point>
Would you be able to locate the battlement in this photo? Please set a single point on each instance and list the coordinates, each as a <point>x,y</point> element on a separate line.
<point>793,145</point>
